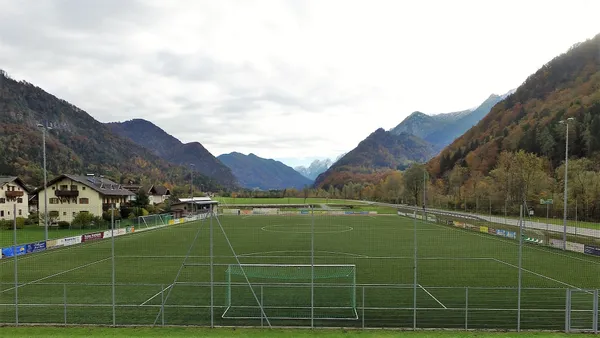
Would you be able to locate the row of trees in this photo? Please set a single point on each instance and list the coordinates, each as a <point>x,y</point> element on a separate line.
<point>518,177</point>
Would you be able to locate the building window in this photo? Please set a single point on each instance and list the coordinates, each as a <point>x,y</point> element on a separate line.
<point>74,214</point>
<point>1,213</point>
<point>20,212</point>
<point>53,188</point>
<point>82,188</point>
<point>53,200</point>
<point>73,187</point>
<point>84,201</point>
<point>19,200</point>
<point>64,213</point>
<point>2,200</point>
<point>64,187</point>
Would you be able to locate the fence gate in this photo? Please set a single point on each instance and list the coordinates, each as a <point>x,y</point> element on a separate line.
<point>581,311</point>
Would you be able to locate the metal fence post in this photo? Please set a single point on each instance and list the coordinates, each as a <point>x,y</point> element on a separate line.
<point>466,308</point>
<point>363,307</point>
<point>212,286</point>
<point>595,318</point>
<point>262,304</point>
<point>112,239</point>
<point>162,305</point>
<point>415,271</point>
<point>568,311</point>
<point>312,268</point>
<point>65,302</point>
<point>14,251</point>
<point>520,268</point>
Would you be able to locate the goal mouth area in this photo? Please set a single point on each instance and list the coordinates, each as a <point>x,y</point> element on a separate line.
<point>291,291</point>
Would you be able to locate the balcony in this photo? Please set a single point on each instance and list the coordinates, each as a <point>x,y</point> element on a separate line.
<point>66,193</point>
<point>13,194</point>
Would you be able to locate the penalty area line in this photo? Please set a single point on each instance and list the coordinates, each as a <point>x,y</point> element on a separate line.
<point>432,296</point>
<point>158,293</point>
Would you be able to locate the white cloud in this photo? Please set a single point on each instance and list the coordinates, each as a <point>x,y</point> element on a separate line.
<point>282,79</point>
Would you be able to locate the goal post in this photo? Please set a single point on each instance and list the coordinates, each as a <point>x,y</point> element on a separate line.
<point>291,291</point>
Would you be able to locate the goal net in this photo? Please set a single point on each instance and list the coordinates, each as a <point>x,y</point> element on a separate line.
<point>291,291</point>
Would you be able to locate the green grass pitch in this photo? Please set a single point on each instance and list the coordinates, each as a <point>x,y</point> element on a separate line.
<point>456,269</point>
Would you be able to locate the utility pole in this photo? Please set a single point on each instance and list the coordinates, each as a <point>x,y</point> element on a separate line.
<point>566,123</point>
<point>191,188</point>
<point>45,127</point>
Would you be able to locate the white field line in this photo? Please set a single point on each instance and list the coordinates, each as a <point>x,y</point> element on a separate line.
<point>58,273</point>
<point>429,293</point>
<point>515,243</point>
<point>538,274</point>
<point>158,293</point>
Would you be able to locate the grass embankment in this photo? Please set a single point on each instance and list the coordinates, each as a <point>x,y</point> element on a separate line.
<point>35,233</point>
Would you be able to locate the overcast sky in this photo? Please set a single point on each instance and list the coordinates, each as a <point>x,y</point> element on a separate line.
<point>291,80</point>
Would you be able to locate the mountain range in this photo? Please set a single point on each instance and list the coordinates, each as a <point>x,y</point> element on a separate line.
<point>417,138</point>
<point>566,87</point>
<point>441,129</point>
<point>315,168</point>
<point>167,147</point>
<point>266,174</point>
<point>76,142</point>
<point>380,151</point>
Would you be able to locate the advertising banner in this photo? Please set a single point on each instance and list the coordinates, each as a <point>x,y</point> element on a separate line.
<point>511,234</point>
<point>55,243</point>
<point>9,252</point>
<point>556,243</point>
<point>92,237</point>
<point>591,250</point>
<point>501,232</point>
<point>121,231</point>
<point>130,229</point>
<point>108,234</point>
<point>35,247</point>
<point>576,247</point>
<point>246,212</point>
<point>72,240</point>
<point>483,229</point>
<point>491,231</point>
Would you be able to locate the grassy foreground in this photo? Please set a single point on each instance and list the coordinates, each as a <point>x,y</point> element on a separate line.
<point>57,332</point>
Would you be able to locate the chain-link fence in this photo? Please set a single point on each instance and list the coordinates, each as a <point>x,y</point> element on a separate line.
<point>307,267</point>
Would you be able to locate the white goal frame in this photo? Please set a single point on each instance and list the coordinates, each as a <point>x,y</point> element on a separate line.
<point>351,312</point>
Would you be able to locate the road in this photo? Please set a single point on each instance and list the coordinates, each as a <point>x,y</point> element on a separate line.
<point>501,220</point>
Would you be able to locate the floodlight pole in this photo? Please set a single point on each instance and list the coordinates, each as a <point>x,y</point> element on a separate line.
<point>45,127</point>
<point>566,123</point>
<point>191,188</point>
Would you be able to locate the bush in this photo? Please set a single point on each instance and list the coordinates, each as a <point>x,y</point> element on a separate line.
<point>7,224</point>
<point>106,215</point>
<point>82,220</point>
<point>125,212</point>
<point>64,225</point>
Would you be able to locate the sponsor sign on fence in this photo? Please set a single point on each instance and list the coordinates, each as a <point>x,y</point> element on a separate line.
<point>55,243</point>
<point>556,243</point>
<point>10,252</point>
<point>576,247</point>
<point>72,240</point>
<point>92,237</point>
<point>591,250</point>
<point>483,229</point>
<point>121,231</point>
<point>36,247</point>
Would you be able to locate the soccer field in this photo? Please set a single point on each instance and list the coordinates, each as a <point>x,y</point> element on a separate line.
<point>365,275</point>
